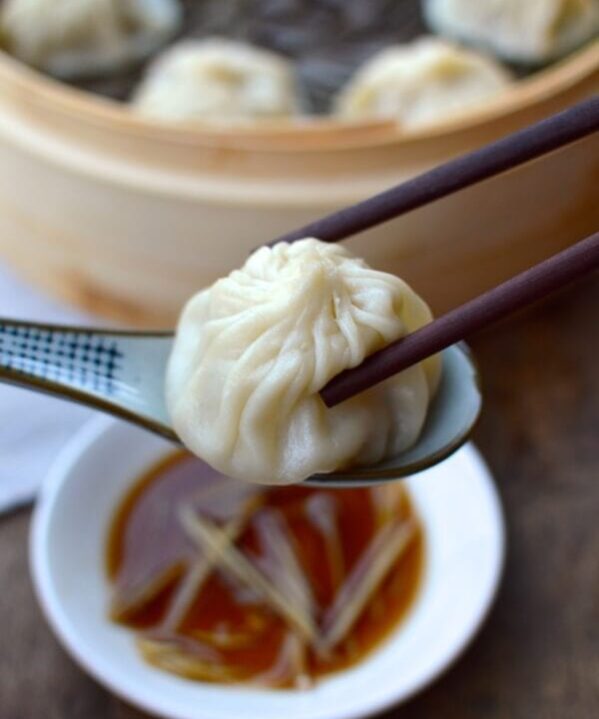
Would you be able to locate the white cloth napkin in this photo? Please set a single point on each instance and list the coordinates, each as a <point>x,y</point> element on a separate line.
<point>33,428</point>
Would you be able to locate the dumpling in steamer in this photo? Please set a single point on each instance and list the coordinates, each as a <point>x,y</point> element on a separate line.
<point>73,38</point>
<point>253,351</point>
<point>217,80</point>
<point>529,31</point>
<point>421,83</point>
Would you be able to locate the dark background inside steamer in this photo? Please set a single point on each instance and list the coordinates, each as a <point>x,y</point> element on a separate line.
<point>327,39</point>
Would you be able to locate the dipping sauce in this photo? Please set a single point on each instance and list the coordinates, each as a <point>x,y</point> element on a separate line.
<point>228,582</point>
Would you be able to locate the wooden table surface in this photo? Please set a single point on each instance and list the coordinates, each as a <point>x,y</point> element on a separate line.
<point>538,655</point>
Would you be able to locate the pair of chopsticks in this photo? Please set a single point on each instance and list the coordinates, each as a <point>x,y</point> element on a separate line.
<point>523,289</point>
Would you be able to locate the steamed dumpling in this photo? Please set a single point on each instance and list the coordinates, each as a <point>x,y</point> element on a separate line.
<point>253,351</point>
<point>525,31</point>
<point>421,83</point>
<point>70,38</point>
<point>222,80</point>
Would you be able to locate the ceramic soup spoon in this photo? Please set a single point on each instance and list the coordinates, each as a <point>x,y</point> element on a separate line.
<point>122,373</point>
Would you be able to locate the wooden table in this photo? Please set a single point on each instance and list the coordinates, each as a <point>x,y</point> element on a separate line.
<point>538,655</point>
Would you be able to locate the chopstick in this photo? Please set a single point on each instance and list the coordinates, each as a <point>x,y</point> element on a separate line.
<point>516,293</point>
<point>532,142</point>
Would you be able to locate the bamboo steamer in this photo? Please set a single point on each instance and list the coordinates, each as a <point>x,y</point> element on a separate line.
<point>127,219</point>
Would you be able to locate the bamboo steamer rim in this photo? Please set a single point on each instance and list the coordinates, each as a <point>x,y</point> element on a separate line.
<point>311,134</point>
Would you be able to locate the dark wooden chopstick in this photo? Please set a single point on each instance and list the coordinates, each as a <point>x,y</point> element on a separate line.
<point>534,141</point>
<point>516,293</point>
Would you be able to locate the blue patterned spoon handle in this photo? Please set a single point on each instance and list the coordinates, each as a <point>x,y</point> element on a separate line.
<point>118,372</point>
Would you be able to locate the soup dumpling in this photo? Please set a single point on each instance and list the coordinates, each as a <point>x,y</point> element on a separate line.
<point>421,83</point>
<point>72,38</point>
<point>530,31</point>
<point>217,80</point>
<point>253,351</point>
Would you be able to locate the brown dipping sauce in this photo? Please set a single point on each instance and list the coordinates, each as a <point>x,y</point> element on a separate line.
<point>206,622</point>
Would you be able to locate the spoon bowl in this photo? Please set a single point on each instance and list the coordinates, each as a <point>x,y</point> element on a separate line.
<point>122,373</point>
<point>453,413</point>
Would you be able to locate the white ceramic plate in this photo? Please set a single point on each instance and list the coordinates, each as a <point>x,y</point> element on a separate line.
<point>465,545</point>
